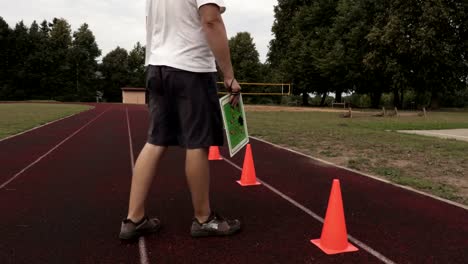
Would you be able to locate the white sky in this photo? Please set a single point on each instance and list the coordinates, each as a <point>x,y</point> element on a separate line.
<point>122,23</point>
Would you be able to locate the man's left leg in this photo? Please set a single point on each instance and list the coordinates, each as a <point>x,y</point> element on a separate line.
<point>198,178</point>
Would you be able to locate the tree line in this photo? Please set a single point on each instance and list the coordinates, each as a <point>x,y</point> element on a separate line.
<point>373,48</point>
<point>48,61</point>
<point>413,50</point>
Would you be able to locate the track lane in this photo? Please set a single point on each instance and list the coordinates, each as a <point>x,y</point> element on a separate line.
<point>68,208</point>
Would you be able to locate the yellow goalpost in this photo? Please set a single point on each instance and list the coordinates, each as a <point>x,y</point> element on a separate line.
<point>281,89</point>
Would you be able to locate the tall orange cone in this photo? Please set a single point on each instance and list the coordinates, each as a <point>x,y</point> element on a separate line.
<point>334,237</point>
<point>249,177</point>
<point>214,153</point>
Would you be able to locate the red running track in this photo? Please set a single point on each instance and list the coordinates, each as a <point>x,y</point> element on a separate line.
<point>67,208</point>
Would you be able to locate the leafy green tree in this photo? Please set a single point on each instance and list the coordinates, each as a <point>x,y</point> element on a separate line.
<point>283,29</point>
<point>83,55</point>
<point>245,58</point>
<point>418,45</point>
<point>42,59</point>
<point>5,38</point>
<point>136,66</point>
<point>441,49</point>
<point>62,81</point>
<point>115,71</point>
<point>312,25</point>
<point>20,48</point>
<point>345,46</point>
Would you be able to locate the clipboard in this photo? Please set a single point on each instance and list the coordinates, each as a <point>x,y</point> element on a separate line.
<point>235,124</point>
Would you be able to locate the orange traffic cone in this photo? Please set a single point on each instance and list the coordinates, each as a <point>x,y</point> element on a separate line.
<point>249,176</point>
<point>214,153</point>
<point>334,237</point>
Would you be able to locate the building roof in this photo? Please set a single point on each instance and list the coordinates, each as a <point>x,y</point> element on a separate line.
<point>133,89</point>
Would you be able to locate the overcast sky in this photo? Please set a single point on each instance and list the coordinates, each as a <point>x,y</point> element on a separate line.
<point>122,23</point>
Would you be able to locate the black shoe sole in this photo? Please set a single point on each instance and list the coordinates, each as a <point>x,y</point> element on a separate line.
<point>203,233</point>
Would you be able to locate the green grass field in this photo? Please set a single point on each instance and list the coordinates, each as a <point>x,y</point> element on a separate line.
<point>370,144</point>
<point>19,117</point>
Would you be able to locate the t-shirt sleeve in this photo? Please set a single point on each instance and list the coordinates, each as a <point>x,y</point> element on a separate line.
<point>220,3</point>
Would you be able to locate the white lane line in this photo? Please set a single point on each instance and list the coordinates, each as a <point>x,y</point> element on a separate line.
<point>365,174</point>
<point>317,217</point>
<point>46,124</point>
<point>50,151</point>
<point>132,157</point>
<point>141,241</point>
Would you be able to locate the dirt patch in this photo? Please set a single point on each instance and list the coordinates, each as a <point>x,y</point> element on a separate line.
<point>422,172</point>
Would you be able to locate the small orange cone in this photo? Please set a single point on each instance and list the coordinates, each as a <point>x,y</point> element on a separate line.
<point>334,237</point>
<point>214,153</point>
<point>249,176</point>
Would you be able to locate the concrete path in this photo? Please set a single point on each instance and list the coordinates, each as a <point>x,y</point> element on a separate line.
<point>459,134</point>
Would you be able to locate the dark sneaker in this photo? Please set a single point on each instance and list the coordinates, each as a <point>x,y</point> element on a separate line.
<point>216,225</point>
<point>131,230</point>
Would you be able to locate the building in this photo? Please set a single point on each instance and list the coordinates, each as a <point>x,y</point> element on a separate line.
<point>134,95</point>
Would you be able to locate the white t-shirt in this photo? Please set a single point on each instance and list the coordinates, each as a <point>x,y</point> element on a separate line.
<point>174,35</point>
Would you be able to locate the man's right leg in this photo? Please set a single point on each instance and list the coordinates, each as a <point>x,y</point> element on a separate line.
<point>143,174</point>
<point>137,224</point>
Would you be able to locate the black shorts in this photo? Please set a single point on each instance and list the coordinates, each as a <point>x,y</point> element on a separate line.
<point>184,108</point>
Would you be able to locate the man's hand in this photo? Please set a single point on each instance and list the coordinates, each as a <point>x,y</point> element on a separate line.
<point>233,87</point>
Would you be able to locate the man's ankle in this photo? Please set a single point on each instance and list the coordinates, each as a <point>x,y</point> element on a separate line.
<point>136,218</point>
<point>202,218</point>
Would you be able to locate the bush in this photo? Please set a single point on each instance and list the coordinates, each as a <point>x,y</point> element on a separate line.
<point>315,101</point>
<point>67,98</point>
<point>359,100</point>
<point>292,100</point>
<point>456,99</point>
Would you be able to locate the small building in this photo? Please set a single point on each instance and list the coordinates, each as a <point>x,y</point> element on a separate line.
<point>133,95</point>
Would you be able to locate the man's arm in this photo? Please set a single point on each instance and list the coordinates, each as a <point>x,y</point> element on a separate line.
<point>215,32</point>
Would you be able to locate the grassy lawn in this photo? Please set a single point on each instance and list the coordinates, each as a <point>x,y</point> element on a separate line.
<point>370,144</point>
<point>15,118</point>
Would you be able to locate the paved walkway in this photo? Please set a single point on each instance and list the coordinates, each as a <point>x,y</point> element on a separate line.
<point>459,134</point>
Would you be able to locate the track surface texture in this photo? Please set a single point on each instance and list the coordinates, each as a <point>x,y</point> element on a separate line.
<point>67,206</point>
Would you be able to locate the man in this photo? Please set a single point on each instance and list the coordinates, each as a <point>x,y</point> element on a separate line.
<point>184,38</point>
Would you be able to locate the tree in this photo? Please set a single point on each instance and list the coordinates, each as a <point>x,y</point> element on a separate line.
<point>83,55</point>
<point>5,38</point>
<point>42,58</point>
<point>418,45</point>
<point>245,58</point>
<point>312,23</point>
<point>283,29</point>
<point>33,63</point>
<point>441,49</point>
<point>20,48</point>
<point>62,76</point>
<point>345,46</point>
<point>136,66</point>
<point>115,71</point>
